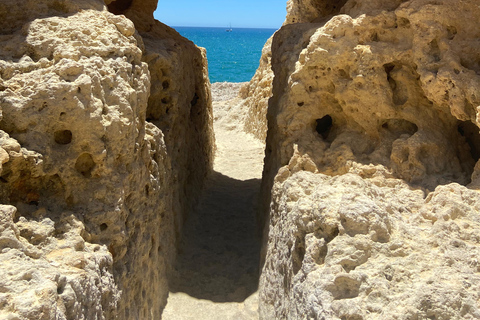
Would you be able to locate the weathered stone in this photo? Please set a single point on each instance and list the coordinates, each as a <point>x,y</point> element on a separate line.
<point>256,93</point>
<point>180,102</point>
<point>370,174</point>
<point>98,189</point>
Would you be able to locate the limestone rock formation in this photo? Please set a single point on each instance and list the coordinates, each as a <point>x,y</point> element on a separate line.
<point>371,174</point>
<point>180,102</point>
<point>256,94</point>
<point>305,11</point>
<point>259,89</point>
<point>92,183</point>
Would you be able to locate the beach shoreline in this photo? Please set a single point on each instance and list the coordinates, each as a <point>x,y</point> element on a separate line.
<point>223,91</point>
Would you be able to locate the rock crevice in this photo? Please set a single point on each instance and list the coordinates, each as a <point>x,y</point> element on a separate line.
<point>371,146</point>
<point>96,190</point>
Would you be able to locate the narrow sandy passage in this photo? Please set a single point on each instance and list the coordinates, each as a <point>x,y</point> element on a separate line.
<point>217,268</point>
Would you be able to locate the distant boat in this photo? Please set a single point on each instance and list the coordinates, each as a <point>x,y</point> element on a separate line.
<point>229,29</point>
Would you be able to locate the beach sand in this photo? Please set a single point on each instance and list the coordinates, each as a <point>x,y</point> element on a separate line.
<point>222,91</point>
<point>217,267</point>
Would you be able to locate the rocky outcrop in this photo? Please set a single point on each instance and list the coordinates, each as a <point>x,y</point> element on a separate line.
<point>258,90</point>
<point>256,94</point>
<point>180,102</point>
<point>305,11</point>
<point>90,171</point>
<point>370,174</point>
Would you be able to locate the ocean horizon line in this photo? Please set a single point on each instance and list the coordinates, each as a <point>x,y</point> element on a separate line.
<point>226,27</point>
<point>232,56</point>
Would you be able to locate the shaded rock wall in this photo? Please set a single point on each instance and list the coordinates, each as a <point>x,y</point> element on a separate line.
<point>370,174</point>
<point>180,102</point>
<point>95,191</point>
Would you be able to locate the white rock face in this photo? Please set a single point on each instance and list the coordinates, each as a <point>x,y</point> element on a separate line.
<point>370,174</point>
<point>95,195</point>
<point>47,274</point>
<point>345,247</point>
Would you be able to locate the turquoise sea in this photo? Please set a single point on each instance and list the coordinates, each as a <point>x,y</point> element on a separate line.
<point>232,56</point>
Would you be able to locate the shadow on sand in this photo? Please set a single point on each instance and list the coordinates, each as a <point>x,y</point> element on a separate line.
<point>219,254</point>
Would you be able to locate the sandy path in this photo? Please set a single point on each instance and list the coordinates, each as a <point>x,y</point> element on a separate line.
<point>217,269</point>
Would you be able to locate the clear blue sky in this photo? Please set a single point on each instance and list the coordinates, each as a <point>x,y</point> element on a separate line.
<point>220,13</point>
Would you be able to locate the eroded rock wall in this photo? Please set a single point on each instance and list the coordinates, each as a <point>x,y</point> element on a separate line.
<point>92,191</point>
<point>370,177</point>
<point>256,94</point>
<point>180,102</point>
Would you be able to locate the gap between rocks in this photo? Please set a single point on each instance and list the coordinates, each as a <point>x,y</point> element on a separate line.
<point>216,273</point>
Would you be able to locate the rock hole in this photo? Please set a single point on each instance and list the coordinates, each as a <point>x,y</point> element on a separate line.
<point>321,254</point>
<point>451,31</point>
<point>165,84</point>
<point>324,125</point>
<point>470,132</point>
<point>388,69</point>
<point>344,75</point>
<point>103,227</point>
<point>194,100</point>
<point>389,273</point>
<point>471,63</point>
<point>6,173</point>
<point>403,23</point>
<point>298,254</point>
<point>63,136</point>
<point>119,6</point>
<point>434,50</point>
<point>400,126</point>
<point>27,277</point>
<point>61,287</point>
<point>166,100</point>
<point>332,235</point>
<point>85,164</point>
<point>345,288</point>
<point>348,266</point>
<point>300,104</point>
<point>327,235</point>
<point>399,93</point>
